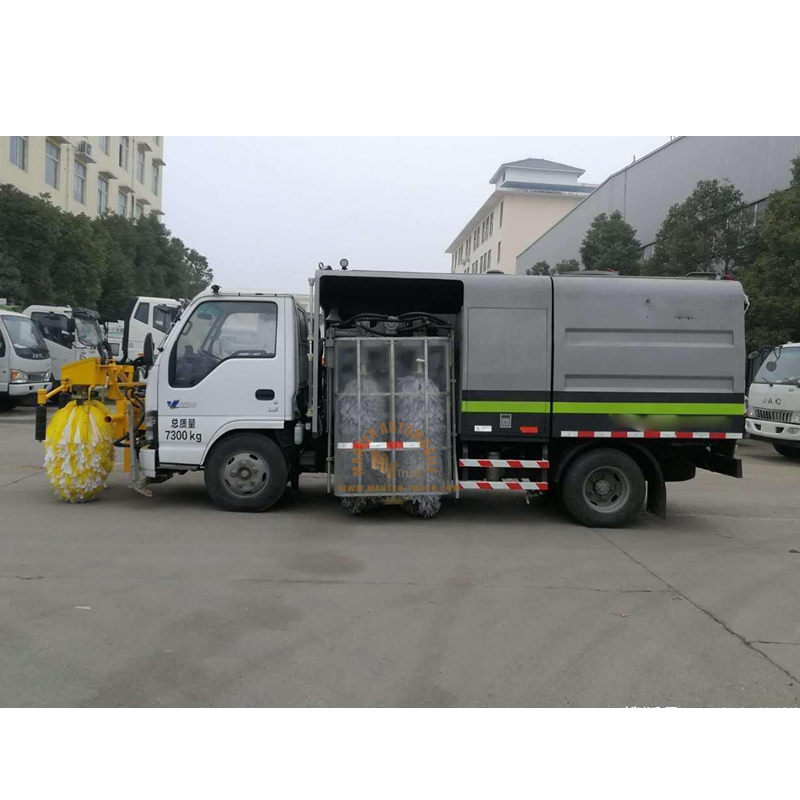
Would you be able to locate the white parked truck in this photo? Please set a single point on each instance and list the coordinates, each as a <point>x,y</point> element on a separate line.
<point>24,359</point>
<point>773,401</point>
<point>146,315</point>
<point>71,333</point>
<point>410,388</point>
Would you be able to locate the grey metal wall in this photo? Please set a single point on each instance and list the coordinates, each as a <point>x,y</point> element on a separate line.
<point>644,191</point>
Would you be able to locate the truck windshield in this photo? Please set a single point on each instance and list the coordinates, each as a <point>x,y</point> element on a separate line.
<point>25,336</point>
<point>781,366</point>
<point>88,331</point>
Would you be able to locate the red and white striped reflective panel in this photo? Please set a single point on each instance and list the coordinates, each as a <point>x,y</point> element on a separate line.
<point>495,462</point>
<point>650,435</point>
<point>377,446</point>
<point>510,485</point>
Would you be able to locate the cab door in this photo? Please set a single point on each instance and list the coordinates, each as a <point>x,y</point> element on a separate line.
<point>60,340</point>
<point>225,369</point>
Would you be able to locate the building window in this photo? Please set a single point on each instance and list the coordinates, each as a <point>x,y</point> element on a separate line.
<point>79,190</point>
<point>102,195</point>
<point>491,224</point>
<point>52,163</point>
<point>498,252</point>
<point>122,204</point>
<point>140,166</point>
<point>104,144</point>
<point>137,210</point>
<point>124,147</point>
<point>156,176</point>
<point>467,246</point>
<point>453,263</point>
<point>501,215</point>
<point>19,151</point>
<point>158,140</point>
<point>475,241</point>
<point>488,260</point>
<point>647,252</point>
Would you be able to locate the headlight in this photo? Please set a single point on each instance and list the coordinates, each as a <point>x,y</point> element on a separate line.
<point>18,376</point>
<point>751,412</point>
<point>795,418</point>
<point>48,376</point>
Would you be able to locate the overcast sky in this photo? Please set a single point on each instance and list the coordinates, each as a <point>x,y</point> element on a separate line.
<point>266,211</point>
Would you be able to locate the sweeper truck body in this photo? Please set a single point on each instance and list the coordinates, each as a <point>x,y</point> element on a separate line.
<point>408,388</point>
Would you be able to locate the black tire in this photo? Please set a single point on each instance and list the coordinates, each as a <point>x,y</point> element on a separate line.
<point>246,472</point>
<point>786,450</point>
<point>603,488</point>
<point>8,403</point>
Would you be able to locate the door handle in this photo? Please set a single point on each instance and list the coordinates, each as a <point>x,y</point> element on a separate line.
<point>265,394</point>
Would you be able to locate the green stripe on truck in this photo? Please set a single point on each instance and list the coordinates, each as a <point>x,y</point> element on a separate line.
<point>506,406</point>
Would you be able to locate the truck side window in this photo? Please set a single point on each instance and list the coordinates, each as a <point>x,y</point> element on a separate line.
<point>2,345</point>
<point>143,313</point>
<point>220,330</point>
<point>54,327</point>
<point>162,319</point>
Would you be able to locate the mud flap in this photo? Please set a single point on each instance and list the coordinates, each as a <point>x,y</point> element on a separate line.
<point>657,498</point>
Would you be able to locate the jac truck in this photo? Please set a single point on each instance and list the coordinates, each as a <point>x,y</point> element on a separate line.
<point>24,359</point>
<point>773,401</point>
<point>411,388</point>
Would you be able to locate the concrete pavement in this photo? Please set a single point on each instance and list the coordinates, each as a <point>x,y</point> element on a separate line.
<point>167,601</point>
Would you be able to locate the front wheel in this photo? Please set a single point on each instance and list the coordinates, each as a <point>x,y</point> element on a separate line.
<point>786,450</point>
<point>603,488</point>
<point>246,472</point>
<point>8,403</point>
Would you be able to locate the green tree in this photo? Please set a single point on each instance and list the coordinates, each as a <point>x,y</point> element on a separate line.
<point>80,259</point>
<point>29,227</point>
<point>10,276</point>
<point>540,268</point>
<point>611,244</point>
<point>708,231</point>
<point>199,273</point>
<point>772,282</point>
<point>50,256</point>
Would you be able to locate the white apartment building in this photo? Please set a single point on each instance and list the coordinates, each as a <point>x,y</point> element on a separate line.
<point>88,174</point>
<point>530,196</point>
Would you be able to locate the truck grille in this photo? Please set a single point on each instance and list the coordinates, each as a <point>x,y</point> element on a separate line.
<point>773,416</point>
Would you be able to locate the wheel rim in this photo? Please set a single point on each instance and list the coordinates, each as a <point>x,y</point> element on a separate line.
<point>245,474</point>
<point>607,489</point>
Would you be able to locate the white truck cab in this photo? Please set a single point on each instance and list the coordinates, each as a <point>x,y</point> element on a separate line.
<point>24,359</point>
<point>71,333</point>
<point>773,401</point>
<point>235,361</point>
<point>143,315</point>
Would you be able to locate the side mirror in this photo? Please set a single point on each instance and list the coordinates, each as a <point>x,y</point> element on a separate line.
<point>753,354</point>
<point>71,324</point>
<point>148,357</point>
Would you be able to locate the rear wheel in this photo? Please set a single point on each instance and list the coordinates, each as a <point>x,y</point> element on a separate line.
<point>786,450</point>
<point>246,472</point>
<point>7,403</point>
<point>603,488</point>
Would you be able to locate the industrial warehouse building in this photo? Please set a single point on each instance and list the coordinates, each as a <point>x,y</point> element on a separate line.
<point>645,190</point>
